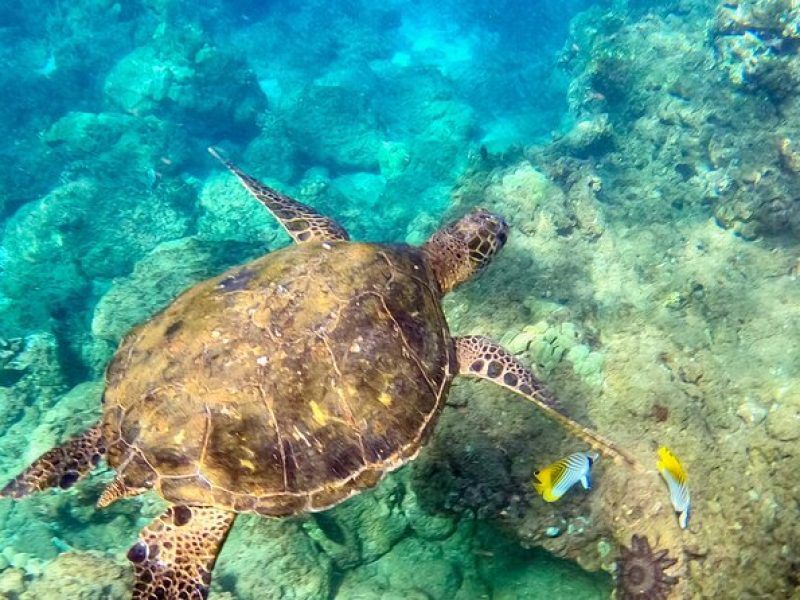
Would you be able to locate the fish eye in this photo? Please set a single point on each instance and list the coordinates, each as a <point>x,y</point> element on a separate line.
<point>536,472</point>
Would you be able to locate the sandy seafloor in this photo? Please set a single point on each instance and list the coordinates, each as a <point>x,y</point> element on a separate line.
<point>647,157</point>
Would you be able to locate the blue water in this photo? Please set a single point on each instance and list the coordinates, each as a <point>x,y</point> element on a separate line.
<point>391,118</point>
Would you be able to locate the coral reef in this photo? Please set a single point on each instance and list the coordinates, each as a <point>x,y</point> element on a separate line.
<point>644,82</point>
<point>650,276</point>
<point>180,76</point>
<point>694,324</point>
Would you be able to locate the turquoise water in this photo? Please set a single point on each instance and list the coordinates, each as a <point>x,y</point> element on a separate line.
<point>646,157</point>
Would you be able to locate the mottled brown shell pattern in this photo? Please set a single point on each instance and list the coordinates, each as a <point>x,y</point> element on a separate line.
<point>284,385</point>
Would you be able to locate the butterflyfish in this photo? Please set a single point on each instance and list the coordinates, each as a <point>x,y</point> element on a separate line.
<point>554,480</point>
<point>673,473</point>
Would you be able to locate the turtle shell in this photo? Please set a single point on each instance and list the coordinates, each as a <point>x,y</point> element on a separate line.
<point>286,384</point>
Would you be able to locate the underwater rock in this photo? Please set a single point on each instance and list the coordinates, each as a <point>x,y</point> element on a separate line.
<point>362,189</point>
<point>414,569</point>
<point>752,412</point>
<point>591,135</point>
<point>210,90</point>
<point>36,264</point>
<point>12,582</point>
<point>34,382</point>
<point>147,147</point>
<point>74,412</point>
<point>421,228</point>
<point>267,559</point>
<point>472,477</point>
<point>81,575</point>
<point>340,131</point>
<point>691,319</point>
<point>426,525</point>
<point>59,250</point>
<point>707,143</point>
<point>231,214</point>
<point>363,529</point>
<point>783,420</point>
<point>531,196</point>
<point>272,152</point>
<point>393,159</point>
<point>159,277</point>
<point>548,344</point>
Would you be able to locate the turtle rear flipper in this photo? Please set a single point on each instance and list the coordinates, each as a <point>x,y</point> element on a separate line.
<point>175,554</point>
<point>60,467</point>
<point>301,222</point>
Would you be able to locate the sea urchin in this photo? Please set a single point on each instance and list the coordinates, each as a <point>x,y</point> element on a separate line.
<point>641,572</point>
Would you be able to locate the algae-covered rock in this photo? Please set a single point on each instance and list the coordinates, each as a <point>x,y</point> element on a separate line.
<point>783,420</point>
<point>36,264</point>
<point>527,193</point>
<point>364,528</point>
<point>427,525</point>
<point>666,94</point>
<point>272,153</point>
<point>146,146</point>
<point>230,213</point>
<point>160,277</point>
<point>55,246</point>
<point>421,228</point>
<point>271,560</point>
<point>74,412</point>
<point>34,382</point>
<point>208,89</point>
<point>414,569</point>
<point>335,126</point>
<point>81,575</point>
<point>393,159</point>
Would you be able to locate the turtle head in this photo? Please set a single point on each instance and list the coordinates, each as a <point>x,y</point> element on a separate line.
<point>460,250</point>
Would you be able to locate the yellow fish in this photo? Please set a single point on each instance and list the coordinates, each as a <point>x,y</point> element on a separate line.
<point>672,472</point>
<point>554,480</point>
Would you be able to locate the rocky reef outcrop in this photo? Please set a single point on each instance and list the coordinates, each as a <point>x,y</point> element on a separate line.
<point>668,251</point>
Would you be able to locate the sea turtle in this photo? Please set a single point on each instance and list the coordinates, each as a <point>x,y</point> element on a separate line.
<point>284,385</point>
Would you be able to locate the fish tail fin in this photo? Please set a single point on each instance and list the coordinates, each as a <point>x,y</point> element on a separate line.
<point>683,518</point>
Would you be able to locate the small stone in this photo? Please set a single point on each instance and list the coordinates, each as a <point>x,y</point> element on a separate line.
<point>34,567</point>
<point>20,560</point>
<point>783,422</point>
<point>552,532</point>
<point>751,411</point>
<point>12,582</point>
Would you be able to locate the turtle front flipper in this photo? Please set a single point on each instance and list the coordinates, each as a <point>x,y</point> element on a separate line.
<point>175,554</point>
<point>301,222</point>
<point>60,467</point>
<point>479,356</point>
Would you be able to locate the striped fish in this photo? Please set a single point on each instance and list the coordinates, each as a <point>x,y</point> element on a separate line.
<point>554,480</point>
<point>672,472</point>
